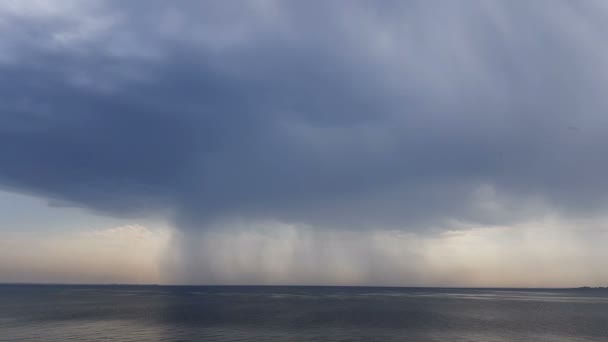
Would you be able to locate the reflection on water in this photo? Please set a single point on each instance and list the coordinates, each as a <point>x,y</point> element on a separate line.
<point>224,313</point>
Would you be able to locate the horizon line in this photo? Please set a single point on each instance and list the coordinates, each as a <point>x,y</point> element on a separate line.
<point>294,285</point>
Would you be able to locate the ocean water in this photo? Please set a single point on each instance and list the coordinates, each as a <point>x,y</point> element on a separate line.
<point>234,313</point>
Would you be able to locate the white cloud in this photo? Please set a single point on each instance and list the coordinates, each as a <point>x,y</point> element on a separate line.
<point>127,232</point>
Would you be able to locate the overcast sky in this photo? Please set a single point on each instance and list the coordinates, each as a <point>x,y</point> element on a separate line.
<point>443,143</point>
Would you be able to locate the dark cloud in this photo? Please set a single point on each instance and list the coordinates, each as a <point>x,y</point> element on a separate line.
<point>330,114</point>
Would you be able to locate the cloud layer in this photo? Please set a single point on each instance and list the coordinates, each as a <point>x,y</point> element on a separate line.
<point>362,115</point>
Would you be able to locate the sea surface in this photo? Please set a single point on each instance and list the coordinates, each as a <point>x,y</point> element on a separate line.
<point>247,313</point>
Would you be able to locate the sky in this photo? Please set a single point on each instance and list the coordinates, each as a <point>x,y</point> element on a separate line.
<point>401,143</point>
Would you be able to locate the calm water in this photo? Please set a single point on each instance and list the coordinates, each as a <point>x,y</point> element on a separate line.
<point>224,313</point>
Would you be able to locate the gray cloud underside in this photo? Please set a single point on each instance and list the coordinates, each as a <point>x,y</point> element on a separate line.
<point>358,114</point>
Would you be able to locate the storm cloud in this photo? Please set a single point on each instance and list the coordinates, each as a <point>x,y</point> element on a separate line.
<point>347,115</point>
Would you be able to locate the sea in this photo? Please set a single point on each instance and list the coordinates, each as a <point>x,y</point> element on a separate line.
<point>292,313</point>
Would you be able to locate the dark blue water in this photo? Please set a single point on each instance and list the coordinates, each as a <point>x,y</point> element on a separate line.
<point>225,313</point>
